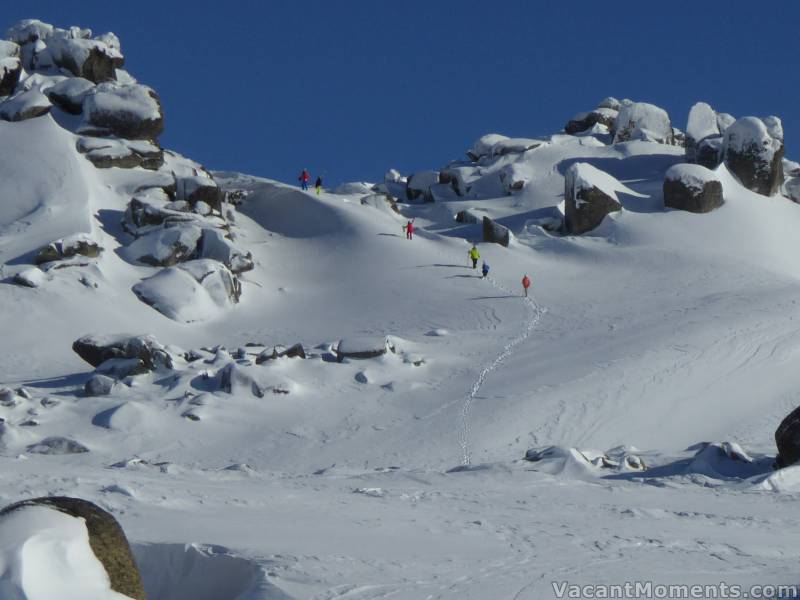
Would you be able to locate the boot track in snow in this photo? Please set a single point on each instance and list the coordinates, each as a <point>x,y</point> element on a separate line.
<point>535,316</point>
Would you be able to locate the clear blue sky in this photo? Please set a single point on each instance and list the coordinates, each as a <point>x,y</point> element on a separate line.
<point>351,88</point>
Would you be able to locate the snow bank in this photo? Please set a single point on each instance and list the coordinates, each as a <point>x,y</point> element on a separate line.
<point>45,554</point>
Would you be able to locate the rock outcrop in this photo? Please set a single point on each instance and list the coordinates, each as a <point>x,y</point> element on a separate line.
<point>10,67</point>
<point>495,233</point>
<point>753,150</point>
<point>643,121</point>
<point>96,350</point>
<point>129,111</point>
<point>787,439</point>
<point>586,202</point>
<point>692,188</point>
<point>25,105</point>
<point>106,539</point>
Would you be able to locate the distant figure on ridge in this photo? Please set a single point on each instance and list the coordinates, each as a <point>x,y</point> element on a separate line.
<point>318,184</point>
<point>409,229</point>
<point>485,269</point>
<point>304,178</point>
<point>526,283</point>
<point>474,255</point>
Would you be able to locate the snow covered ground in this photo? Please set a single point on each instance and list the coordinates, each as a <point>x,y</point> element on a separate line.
<point>648,371</point>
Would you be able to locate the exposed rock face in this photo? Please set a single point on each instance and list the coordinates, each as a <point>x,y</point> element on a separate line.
<point>96,350</point>
<point>129,111</point>
<point>296,351</point>
<point>586,205</point>
<point>753,150</point>
<point>165,247</point>
<point>495,233</point>
<point>10,67</point>
<point>200,189</point>
<point>787,438</point>
<point>25,105</point>
<point>106,539</point>
<point>643,121</point>
<point>466,216</point>
<point>68,247</point>
<point>91,59</point>
<point>709,152</point>
<point>692,188</point>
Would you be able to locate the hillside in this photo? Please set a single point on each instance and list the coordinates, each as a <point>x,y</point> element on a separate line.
<point>643,378</point>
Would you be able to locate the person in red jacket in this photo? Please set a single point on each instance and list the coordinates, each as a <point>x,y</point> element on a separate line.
<point>304,179</point>
<point>526,283</point>
<point>409,227</point>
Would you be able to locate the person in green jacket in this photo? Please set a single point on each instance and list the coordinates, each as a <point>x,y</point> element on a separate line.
<point>474,255</point>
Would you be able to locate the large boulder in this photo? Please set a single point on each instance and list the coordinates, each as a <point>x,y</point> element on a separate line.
<point>28,31</point>
<point>68,94</point>
<point>10,67</point>
<point>495,233</point>
<point>787,438</point>
<point>483,147</point>
<point>193,291</point>
<point>702,124</point>
<point>152,208</point>
<point>25,105</point>
<point>692,188</point>
<point>753,150</point>
<point>708,152</point>
<point>104,153</point>
<point>165,247</point>
<point>198,188</point>
<point>96,350</point>
<point>55,531</point>
<point>642,121</point>
<point>91,59</point>
<point>419,185</point>
<point>361,347</point>
<point>130,111</point>
<point>214,245</point>
<point>588,197</point>
<point>586,120</point>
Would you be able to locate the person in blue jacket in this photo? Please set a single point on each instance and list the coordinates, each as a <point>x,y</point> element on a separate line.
<point>485,269</point>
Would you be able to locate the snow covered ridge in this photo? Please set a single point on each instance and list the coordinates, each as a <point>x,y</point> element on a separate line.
<point>66,100</point>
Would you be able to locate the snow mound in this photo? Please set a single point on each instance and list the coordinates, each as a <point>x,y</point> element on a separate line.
<point>45,554</point>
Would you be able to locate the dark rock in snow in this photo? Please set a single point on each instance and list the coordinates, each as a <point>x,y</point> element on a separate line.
<point>586,205</point>
<point>105,153</point>
<point>361,348</point>
<point>96,350</point>
<point>583,121</point>
<point>67,248</point>
<point>68,95</point>
<point>466,216</point>
<point>10,67</point>
<point>495,233</point>
<point>91,59</point>
<point>787,438</point>
<point>25,105</point>
<point>753,150</point>
<point>692,188</point>
<point>130,111</point>
<point>234,378</point>
<point>200,189</point>
<point>106,539</point>
<point>296,351</point>
<point>709,152</point>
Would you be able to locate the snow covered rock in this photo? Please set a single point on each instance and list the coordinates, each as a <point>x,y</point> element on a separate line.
<point>296,351</point>
<point>609,102</point>
<point>192,291</point>
<point>25,105</point>
<point>586,120</point>
<point>692,188</point>
<point>129,111</point>
<point>643,121</point>
<point>91,59</point>
<point>589,196</point>
<point>419,185</point>
<point>235,379</point>
<point>708,152</point>
<point>361,347</point>
<point>29,30</point>
<point>79,244</point>
<point>466,216</point>
<point>57,445</point>
<point>105,153</point>
<point>68,94</point>
<point>702,124</point>
<point>98,385</point>
<point>197,188</point>
<point>152,207</point>
<point>753,150</point>
<point>483,147</point>
<point>792,188</point>
<point>32,278</point>
<point>10,67</point>
<point>81,548</point>
<point>165,247</point>
<point>214,245</point>
<point>787,439</point>
<point>392,176</point>
<point>97,350</point>
<point>495,233</point>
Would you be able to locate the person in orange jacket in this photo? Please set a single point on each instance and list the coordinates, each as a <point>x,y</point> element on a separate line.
<point>526,283</point>
<point>303,179</point>
<point>409,227</point>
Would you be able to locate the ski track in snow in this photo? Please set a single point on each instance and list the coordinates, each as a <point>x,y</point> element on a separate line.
<point>535,316</point>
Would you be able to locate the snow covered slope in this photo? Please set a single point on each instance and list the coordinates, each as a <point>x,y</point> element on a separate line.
<point>245,466</point>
